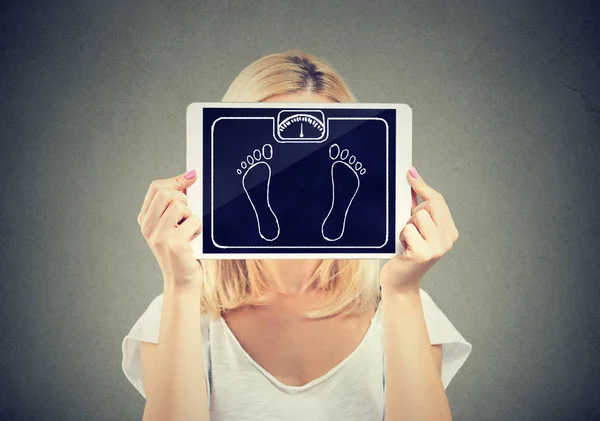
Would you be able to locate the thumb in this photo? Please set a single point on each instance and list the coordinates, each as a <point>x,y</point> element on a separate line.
<point>419,186</point>
<point>183,181</point>
<point>414,201</point>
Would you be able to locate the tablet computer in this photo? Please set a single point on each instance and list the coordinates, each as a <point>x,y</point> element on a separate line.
<point>299,180</point>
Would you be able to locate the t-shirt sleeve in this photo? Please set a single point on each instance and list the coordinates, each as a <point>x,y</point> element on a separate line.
<point>455,348</point>
<point>146,329</point>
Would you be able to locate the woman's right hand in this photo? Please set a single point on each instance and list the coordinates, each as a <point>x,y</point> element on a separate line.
<point>169,226</point>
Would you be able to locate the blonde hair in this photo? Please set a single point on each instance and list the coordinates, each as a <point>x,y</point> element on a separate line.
<point>351,286</point>
<point>284,73</point>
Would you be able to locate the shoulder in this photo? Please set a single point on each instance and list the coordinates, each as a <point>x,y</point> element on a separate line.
<point>146,330</point>
<point>448,344</point>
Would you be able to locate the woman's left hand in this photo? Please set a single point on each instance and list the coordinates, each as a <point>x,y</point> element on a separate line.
<point>427,236</point>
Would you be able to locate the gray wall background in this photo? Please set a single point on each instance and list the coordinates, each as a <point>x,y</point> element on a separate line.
<point>506,100</point>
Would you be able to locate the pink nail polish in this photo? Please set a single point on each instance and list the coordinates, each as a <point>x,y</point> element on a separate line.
<point>413,172</point>
<point>189,175</point>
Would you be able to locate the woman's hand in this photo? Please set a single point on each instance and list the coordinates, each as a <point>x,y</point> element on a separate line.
<point>169,226</point>
<point>427,236</point>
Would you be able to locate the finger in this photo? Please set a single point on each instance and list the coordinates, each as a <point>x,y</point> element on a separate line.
<point>175,212</point>
<point>179,183</point>
<point>440,214</point>
<point>148,198</point>
<point>422,220</point>
<point>411,236</point>
<point>160,202</point>
<point>190,228</point>
<point>419,186</point>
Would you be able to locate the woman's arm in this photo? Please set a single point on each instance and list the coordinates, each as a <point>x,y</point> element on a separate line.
<point>173,369</point>
<point>414,389</point>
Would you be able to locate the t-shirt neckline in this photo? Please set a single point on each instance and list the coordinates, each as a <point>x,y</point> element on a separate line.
<point>297,389</point>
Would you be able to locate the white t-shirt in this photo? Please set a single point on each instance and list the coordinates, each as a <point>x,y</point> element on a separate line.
<point>239,389</point>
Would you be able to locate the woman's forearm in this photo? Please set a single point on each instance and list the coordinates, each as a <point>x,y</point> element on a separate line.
<point>179,391</point>
<point>414,389</point>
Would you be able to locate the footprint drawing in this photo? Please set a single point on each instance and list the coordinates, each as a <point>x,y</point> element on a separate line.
<point>255,169</point>
<point>345,182</point>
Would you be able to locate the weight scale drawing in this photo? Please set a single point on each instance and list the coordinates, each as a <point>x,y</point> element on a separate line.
<point>280,180</point>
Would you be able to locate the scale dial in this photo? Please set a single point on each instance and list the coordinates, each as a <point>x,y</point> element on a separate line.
<point>301,126</point>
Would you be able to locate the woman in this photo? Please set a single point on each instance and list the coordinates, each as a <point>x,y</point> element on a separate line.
<point>292,339</point>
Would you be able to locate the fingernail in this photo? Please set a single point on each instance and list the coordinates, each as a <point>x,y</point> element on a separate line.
<point>413,172</point>
<point>189,175</point>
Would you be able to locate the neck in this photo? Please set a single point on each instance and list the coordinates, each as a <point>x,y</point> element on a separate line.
<point>291,276</point>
